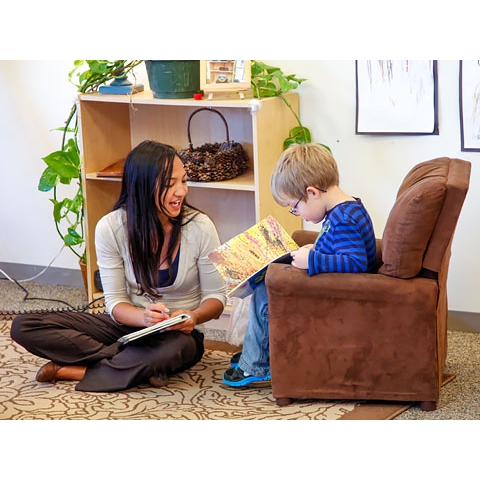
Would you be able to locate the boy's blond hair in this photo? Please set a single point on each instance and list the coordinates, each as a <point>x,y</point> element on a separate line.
<point>301,166</point>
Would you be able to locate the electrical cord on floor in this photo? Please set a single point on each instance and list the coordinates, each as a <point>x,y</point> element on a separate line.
<point>97,304</point>
<point>39,273</point>
<point>27,296</point>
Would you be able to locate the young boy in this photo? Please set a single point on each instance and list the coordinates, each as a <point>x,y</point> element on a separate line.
<point>306,179</point>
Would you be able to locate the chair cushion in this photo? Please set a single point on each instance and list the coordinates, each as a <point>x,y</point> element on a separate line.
<point>410,225</point>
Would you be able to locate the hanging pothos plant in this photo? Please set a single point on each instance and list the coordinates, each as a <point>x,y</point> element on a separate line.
<point>269,81</point>
<point>64,165</point>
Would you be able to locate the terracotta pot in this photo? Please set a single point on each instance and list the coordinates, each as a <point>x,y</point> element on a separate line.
<point>83,269</point>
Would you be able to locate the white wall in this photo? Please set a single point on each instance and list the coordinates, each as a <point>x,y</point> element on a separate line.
<point>35,97</point>
<point>372,167</point>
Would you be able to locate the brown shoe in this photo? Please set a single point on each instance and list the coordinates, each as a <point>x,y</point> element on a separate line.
<point>51,372</point>
<point>48,373</point>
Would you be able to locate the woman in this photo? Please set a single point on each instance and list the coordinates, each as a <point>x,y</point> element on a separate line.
<point>152,254</point>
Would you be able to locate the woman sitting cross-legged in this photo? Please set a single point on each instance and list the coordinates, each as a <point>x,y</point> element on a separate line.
<point>152,245</point>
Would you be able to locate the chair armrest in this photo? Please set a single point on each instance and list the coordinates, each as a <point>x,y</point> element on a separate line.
<point>307,237</point>
<point>287,282</point>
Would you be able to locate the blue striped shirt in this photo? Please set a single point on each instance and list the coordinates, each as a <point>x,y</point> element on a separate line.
<point>346,242</point>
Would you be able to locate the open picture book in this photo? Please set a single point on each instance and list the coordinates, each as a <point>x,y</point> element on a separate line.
<point>243,260</point>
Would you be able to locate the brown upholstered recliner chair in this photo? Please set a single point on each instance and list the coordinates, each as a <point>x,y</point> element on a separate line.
<point>373,336</point>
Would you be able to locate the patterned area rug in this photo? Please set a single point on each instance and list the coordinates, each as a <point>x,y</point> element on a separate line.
<point>198,394</point>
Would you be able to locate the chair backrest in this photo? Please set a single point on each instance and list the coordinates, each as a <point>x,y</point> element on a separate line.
<point>422,222</point>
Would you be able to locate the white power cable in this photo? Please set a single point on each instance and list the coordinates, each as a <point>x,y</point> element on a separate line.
<point>38,274</point>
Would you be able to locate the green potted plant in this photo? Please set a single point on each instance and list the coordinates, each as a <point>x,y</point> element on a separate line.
<point>64,165</point>
<point>270,81</point>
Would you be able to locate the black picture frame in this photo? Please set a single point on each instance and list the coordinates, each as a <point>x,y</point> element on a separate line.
<point>396,97</point>
<point>469,98</point>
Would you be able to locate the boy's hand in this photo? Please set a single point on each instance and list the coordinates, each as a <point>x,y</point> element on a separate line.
<point>300,257</point>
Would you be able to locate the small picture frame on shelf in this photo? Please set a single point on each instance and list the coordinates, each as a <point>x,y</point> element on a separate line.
<point>225,76</point>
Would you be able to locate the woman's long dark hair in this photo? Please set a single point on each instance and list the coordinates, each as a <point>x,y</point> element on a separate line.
<point>146,178</point>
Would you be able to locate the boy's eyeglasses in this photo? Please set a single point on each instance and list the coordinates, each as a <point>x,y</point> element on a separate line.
<point>293,210</point>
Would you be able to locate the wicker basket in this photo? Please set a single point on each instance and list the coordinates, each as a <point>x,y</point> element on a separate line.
<point>213,162</point>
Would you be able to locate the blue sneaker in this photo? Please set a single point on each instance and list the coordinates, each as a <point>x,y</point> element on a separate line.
<point>235,377</point>
<point>235,359</point>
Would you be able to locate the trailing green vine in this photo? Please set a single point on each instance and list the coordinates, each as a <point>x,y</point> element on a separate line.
<point>270,81</point>
<point>64,165</point>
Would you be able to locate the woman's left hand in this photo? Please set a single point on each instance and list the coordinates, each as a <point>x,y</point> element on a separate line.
<point>188,325</point>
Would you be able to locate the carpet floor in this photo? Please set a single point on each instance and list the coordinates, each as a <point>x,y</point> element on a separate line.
<point>200,392</point>
<point>197,394</point>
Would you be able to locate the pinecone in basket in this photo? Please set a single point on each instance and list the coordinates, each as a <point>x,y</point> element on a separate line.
<point>212,162</point>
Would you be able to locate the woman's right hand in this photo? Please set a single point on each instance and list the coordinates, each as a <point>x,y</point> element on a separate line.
<point>154,313</point>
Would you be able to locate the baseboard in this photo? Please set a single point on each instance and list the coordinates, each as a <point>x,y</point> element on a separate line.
<point>464,321</point>
<point>53,275</point>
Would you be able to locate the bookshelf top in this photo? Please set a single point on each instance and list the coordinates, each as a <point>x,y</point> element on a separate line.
<point>146,97</point>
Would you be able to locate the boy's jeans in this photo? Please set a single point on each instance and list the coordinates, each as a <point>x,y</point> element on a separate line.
<point>255,358</point>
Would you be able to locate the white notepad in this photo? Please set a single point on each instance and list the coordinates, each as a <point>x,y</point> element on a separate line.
<point>158,327</point>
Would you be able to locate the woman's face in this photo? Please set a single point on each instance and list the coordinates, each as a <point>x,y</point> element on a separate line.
<point>173,198</point>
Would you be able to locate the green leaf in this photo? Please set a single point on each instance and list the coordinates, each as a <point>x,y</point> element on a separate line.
<point>62,208</point>
<point>48,180</point>
<point>76,65</point>
<point>98,66</point>
<point>267,88</point>
<point>326,146</point>
<point>301,133</point>
<point>57,210</point>
<point>298,134</point>
<point>73,205</point>
<point>71,148</point>
<point>64,163</point>
<point>72,238</point>
<point>257,68</point>
<point>294,78</point>
<point>286,85</point>
<point>65,180</point>
<point>64,129</point>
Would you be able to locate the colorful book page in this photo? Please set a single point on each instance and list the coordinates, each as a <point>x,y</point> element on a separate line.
<point>249,253</point>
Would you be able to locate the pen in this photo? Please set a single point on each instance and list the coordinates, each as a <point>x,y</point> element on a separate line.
<point>151,300</point>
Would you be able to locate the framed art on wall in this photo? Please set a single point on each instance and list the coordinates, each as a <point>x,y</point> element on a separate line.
<point>469,80</point>
<point>396,97</point>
